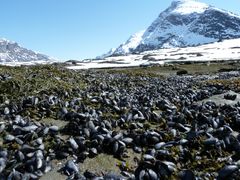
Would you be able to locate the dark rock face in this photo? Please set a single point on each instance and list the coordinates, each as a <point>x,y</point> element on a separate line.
<point>219,25</point>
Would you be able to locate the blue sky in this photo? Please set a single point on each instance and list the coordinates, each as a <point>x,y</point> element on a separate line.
<point>78,29</point>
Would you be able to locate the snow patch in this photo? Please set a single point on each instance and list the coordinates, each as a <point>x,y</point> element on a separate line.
<point>189,6</point>
<point>218,51</point>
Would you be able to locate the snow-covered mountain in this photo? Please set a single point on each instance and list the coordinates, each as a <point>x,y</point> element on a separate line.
<point>131,44</point>
<point>185,23</point>
<point>11,52</point>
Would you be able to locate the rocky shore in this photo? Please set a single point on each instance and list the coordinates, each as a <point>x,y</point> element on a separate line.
<point>96,124</point>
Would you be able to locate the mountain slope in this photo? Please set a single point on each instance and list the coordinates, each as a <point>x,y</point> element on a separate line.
<point>185,23</point>
<point>131,44</point>
<point>12,52</point>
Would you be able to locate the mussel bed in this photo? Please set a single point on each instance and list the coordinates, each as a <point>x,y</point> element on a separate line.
<point>153,126</point>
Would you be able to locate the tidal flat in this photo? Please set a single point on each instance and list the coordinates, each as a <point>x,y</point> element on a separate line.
<point>175,121</point>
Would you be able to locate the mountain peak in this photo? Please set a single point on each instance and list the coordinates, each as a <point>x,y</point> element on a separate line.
<point>184,23</point>
<point>129,45</point>
<point>11,51</point>
<point>4,40</point>
<point>188,6</point>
